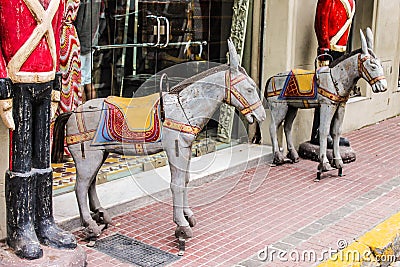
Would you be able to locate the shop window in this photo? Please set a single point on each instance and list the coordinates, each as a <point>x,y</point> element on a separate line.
<point>127,54</point>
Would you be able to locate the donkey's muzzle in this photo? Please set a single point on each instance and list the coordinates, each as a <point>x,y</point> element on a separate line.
<point>380,86</point>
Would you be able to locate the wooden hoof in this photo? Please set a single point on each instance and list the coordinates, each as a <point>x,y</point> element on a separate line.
<point>287,160</point>
<point>292,156</point>
<point>92,231</point>
<point>101,216</point>
<point>184,232</point>
<point>191,220</point>
<point>279,159</point>
<point>284,161</point>
<point>325,167</point>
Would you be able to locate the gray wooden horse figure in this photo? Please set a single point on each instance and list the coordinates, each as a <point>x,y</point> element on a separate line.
<point>328,88</point>
<point>188,107</point>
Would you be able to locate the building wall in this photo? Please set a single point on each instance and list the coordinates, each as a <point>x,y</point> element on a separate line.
<point>289,41</point>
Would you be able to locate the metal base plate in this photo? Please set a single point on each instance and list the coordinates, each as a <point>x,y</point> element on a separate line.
<point>130,250</point>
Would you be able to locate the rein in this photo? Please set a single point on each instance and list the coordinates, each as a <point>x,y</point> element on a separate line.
<point>362,70</point>
<point>230,91</point>
<point>335,97</point>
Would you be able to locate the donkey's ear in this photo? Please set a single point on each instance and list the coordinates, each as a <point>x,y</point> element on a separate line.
<point>370,38</point>
<point>233,56</point>
<point>364,45</point>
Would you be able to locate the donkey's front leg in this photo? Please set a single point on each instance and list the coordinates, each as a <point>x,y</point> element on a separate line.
<point>179,164</point>
<point>336,132</point>
<point>86,171</point>
<point>189,215</point>
<point>326,115</point>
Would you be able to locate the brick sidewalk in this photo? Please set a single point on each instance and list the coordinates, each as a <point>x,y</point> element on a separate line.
<point>288,211</point>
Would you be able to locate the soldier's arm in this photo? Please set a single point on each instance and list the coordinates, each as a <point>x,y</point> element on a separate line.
<point>5,95</point>
<point>57,31</point>
<point>56,94</point>
<point>321,23</point>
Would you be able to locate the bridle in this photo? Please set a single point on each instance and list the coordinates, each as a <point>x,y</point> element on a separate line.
<point>362,70</point>
<point>230,91</point>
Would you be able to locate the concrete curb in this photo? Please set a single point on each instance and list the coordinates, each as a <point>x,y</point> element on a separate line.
<point>378,247</point>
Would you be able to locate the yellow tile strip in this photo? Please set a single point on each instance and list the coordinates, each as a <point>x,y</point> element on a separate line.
<point>377,247</point>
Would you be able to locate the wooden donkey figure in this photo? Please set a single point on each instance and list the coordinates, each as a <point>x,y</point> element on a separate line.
<point>188,107</point>
<point>329,88</point>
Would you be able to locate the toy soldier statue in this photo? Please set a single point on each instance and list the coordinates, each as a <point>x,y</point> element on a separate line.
<point>333,20</point>
<point>29,86</point>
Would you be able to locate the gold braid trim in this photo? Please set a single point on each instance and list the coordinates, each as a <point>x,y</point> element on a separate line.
<point>331,96</point>
<point>181,127</point>
<point>79,137</point>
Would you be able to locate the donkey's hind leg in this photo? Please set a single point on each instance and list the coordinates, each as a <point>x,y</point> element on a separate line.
<point>86,171</point>
<point>290,116</point>
<point>278,113</point>
<point>100,215</point>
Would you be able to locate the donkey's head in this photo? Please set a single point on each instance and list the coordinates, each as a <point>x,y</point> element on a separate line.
<point>241,90</point>
<point>369,66</point>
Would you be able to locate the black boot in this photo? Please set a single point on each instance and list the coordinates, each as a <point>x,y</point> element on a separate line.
<point>315,139</point>
<point>47,231</point>
<point>20,190</point>
<point>343,141</point>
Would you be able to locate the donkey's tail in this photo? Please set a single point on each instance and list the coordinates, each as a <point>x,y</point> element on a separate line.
<point>266,87</point>
<point>57,150</point>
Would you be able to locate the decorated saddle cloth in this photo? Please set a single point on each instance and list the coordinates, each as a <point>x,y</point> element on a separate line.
<point>129,120</point>
<point>300,84</point>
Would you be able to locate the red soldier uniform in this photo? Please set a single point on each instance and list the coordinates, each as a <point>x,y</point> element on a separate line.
<point>332,25</point>
<point>30,41</point>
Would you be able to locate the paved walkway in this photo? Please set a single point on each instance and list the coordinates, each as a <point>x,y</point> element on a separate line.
<point>263,208</point>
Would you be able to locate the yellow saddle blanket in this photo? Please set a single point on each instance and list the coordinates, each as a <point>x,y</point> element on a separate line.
<point>299,84</point>
<point>129,120</point>
<point>138,112</point>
